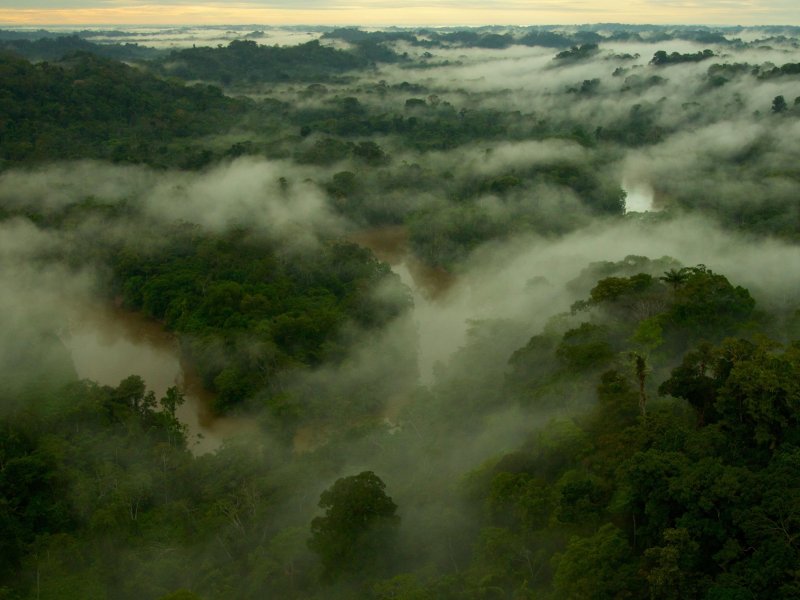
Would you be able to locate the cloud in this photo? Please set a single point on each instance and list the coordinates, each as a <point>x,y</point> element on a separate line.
<point>248,192</point>
<point>417,12</point>
<point>36,295</point>
<point>274,197</point>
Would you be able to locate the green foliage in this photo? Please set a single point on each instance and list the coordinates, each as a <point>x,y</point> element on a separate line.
<point>648,334</point>
<point>708,306</point>
<point>670,498</point>
<point>787,69</point>
<point>750,389</point>
<point>32,500</point>
<point>779,104</point>
<point>248,313</point>
<point>701,305</point>
<point>326,152</point>
<point>661,58</point>
<point>56,48</point>
<point>598,567</point>
<point>445,233</point>
<point>89,107</point>
<point>640,127</point>
<point>669,577</point>
<point>520,501</point>
<point>356,533</point>
<point>99,462</point>
<point>502,564</point>
<point>617,403</point>
<point>610,504</point>
<point>576,53</point>
<point>245,61</point>
<point>594,489</point>
<point>402,587</point>
<point>586,347</point>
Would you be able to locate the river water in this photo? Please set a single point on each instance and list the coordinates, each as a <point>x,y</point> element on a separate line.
<point>108,344</point>
<point>430,290</point>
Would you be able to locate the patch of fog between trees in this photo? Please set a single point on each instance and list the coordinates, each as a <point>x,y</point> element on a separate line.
<point>171,37</point>
<point>108,344</point>
<point>530,80</point>
<point>722,164</point>
<point>525,280</point>
<point>52,319</point>
<point>35,294</point>
<point>42,295</point>
<point>522,281</point>
<point>277,197</point>
<point>639,197</point>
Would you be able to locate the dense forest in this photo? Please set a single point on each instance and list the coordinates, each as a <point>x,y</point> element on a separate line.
<point>495,312</point>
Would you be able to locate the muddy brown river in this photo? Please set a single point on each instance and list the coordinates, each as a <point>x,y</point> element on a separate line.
<point>108,344</point>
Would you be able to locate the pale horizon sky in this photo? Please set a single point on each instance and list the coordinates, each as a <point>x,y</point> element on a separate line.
<point>396,12</point>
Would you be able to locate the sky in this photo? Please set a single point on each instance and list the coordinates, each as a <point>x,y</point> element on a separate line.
<point>397,12</point>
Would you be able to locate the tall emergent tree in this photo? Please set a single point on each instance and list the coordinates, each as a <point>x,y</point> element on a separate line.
<point>779,104</point>
<point>357,531</point>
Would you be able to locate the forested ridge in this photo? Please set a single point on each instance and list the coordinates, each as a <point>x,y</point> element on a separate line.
<point>672,484</point>
<point>569,367</point>
<point>90,107</point>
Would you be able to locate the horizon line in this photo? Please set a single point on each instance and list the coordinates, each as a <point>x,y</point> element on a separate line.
<point>373,26</point>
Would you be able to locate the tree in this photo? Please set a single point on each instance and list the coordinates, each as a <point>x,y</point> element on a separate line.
<point>370,153</point>
<point>759,401</point>
<point>357,530</point>
<point>696,381</point>
<point>669,577</point>
<point>751,389</point>
<point>585,347</point>
<point>598,567</point>
<point>675,278</point>
<point>641,369</point>
<point>707,306</point>
<point>779,104</point>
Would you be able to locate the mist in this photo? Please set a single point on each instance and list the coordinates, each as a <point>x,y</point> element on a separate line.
<point>422,267</point>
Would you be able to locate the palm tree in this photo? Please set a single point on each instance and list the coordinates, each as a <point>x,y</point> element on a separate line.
<point>674,277</point>
<point>642,370</point>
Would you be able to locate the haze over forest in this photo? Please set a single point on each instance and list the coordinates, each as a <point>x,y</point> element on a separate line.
<point>400,313</point>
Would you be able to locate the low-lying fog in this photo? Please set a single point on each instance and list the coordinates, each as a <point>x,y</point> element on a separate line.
<point>522,280</point>
<point>716,145</point>
<point>108,344</point>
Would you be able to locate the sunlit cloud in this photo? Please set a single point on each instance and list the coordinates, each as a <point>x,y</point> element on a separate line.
<point>408,12</point>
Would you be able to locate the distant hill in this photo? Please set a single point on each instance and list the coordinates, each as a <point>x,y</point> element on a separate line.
<point>247,61</point>
<point>49,47</point>
<point>91,107</point>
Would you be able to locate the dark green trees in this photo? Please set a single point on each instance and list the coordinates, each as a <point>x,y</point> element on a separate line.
<point>779,104</point>
<point>357,530</point>
<point>689,304</point>
<point>661,57</point>
<point>751,389</point>
<point>91,107</point>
